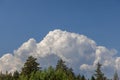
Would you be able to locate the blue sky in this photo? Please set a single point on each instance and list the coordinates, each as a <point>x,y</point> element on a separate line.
<point>23,19</point>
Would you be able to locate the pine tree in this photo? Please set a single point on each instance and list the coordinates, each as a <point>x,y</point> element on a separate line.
<point>16,75</point>
<point>61,65</point>
<point>98,73</point>
<point>62,69</point>
<point>30,66</point>
<point>23,77</point>
<point>116,76</point>
<point>92,78</point>
<point>70,74</point>
<point>78,77</point>
<point>50,73</point>
<point>83,77</point>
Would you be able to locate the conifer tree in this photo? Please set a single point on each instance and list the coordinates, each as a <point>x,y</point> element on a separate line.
<point>116,76</point>
<point>61,65</point>
<point>92,78</point>
<point>78,77</point>
<point>83,77</point>
<point>30,66</point>
<point>98,73</point>
<point>16,75</point>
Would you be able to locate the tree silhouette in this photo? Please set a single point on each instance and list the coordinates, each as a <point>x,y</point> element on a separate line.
<point>98,73</point>
<point>30,66</point>
<point>115,76</point>
<point>92,78</point>
<point>61,66</point>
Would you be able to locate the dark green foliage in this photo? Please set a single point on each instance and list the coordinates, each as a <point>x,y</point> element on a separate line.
<point>23,77</point>
<point>7,76</point>
<point>31,71</point>
<point>30,66</point>
<point>115,76</point>
<point>50,73</point>
<point>98,73</point>
<point>78,77</point>
<point>92,78</point>
<point>16,75</point>
<point>61,65</point>
<point>83,78</point>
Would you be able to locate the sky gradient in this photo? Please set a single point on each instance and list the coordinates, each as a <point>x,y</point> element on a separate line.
<point>24,19</point>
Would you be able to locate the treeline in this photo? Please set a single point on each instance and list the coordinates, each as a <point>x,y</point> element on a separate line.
<point>32,71</point>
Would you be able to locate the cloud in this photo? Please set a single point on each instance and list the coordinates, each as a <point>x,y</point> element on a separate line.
<point>80,52</point>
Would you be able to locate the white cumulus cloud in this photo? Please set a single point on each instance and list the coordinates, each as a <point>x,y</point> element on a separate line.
<point>80,52</point>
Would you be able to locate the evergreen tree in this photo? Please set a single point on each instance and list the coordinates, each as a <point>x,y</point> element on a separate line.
<point>16,75</point>
<point>50,73</point>
<point>1,76</point>
<point>115,76</point>
<point>30,66</point>
<point>78,77</point>
<point>92,78</point>
<point>61,65</point>
<point>8,76</point>
<point>31,71</point>
<point>83,77</point>
<point>23,77</point>
<point>62,69</point>
<point>35,75</point>
<point>98,73</point>
<point>70,74</point>
<point>60,75</point>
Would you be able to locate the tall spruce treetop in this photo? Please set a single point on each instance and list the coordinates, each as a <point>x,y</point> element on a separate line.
<point>16,75</point>
<point>30,66</point>
<point>98,73</point>
<point>83,77</point>
<point>115,76</point>
<point>92,78</point>
<point>61,65</point>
